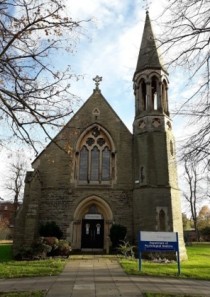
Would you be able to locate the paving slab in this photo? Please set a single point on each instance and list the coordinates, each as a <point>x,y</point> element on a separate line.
<point>103,277</point>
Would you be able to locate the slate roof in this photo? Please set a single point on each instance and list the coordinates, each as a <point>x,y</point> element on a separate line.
<point>148,54</point>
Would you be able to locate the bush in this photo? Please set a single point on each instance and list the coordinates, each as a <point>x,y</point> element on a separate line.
<point>45,247</point>
<point>50,229</point>
<point>40,250</point>
<point>205,233</point>
<point>58,247</point>
<point>117,235</point>
<point>64,248</point>
<point>126,249</point>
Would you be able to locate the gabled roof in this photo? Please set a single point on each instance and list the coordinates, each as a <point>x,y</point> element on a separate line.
<point>94,101</point>
<point>148,55</point>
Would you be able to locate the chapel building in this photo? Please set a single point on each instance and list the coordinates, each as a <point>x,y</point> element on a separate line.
<point>104,174</point>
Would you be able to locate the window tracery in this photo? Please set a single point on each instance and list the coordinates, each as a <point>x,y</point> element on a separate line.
<point>95,157</point>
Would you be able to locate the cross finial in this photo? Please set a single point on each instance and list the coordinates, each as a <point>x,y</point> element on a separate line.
<point>146,5</point>
<point>97,81</point>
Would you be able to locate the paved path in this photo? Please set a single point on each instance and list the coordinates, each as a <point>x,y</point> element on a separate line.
<point>97,276</point>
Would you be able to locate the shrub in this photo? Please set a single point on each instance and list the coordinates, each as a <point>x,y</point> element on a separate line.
<point>126,249</point>
<point>50,229</point>
<point>205,232</point>
<point>45,247</point>
<point>52,241</point>
<point>58,247</point>
<point>40,250</point>
<point>117,234</point>
<point>64,248</point>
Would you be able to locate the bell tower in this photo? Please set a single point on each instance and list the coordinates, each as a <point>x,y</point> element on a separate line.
<point>156,203</point>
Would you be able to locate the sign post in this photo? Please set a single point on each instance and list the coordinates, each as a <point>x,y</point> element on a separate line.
<point>158,241</point>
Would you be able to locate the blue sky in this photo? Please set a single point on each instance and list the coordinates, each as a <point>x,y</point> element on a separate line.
<point>108,46</point>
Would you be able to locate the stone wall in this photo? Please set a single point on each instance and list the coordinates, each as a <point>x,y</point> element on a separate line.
<point>59,192</point>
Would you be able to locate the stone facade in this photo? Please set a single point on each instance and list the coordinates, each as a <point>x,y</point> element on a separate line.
<point>96,173</point>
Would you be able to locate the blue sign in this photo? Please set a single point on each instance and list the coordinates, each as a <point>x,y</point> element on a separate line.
<point>158,246</point>
<point>158,241</point>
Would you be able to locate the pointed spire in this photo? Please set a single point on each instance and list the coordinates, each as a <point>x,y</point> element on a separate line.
<point>148,54</point>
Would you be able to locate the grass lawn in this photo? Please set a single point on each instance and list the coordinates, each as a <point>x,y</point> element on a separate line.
<point>23,294</point>
<point>197,266</point>
<point>10,268</point>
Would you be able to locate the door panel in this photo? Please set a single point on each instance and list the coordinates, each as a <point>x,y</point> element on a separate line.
<point>92,234</point>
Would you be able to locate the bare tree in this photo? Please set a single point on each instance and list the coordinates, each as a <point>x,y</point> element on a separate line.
<point>14,183</point>
<point>32,92</point>
<point>186,39</point>
<point>193,193</point>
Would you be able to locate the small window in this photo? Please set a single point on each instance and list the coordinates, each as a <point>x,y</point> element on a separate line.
<point>162,220</point>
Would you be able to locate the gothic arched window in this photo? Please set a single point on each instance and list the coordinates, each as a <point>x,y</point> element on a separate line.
<point>143,95</point>
<point>154,93</point>
<point>94,158</point>
<point>165,96</point>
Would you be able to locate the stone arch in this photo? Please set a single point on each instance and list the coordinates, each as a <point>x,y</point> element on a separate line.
<point>102,205</point>
<point>82,135</point>
<point>156,74</point>
<point>79,213</point>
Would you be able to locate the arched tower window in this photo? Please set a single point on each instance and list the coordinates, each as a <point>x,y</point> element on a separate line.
<point>154,92</point>
<point>165,96</point>
<point>95,158</point>
<point>143,95</point>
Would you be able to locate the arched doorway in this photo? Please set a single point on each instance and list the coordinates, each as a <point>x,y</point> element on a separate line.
<point>92,221</point>
<point>92,236</point>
